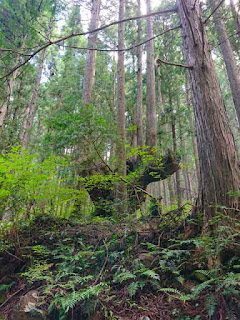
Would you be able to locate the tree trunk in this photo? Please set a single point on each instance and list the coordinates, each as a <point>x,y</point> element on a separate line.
<point>4,106</point>
<point>171,191</point>
<point>160,106</point>
<point>139,82</point>
<point>174,140</point>
<point>185,171</point>
<point>90,67</point>
<point>151,118</point>
<point>121,152</point>
<point>193,135</point>
<point>32,106</point>
<point>165,195</point>
<point>219,165</point>
<point>134,136</point>
<point>235,16</point>
<point>229,60</point>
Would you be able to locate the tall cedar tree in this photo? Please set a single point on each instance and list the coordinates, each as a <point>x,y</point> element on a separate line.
<point>219,165</point>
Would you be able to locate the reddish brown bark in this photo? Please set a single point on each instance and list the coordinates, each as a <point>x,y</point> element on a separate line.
<point>219,165</point>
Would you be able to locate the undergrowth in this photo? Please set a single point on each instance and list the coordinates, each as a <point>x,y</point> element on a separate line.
<point>107,269</point>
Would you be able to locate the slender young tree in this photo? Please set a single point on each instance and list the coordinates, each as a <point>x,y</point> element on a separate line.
<point>175,149</point>
<point>139,82</point>
<point>32,106</point>
<point>151,116</point>
<point>121,103</point>
<point>235,16</point>
<point>160,108</point>
<point>219,165</point>
<point>90,68</point>
<point>230,62</point>
<point>9,92</point>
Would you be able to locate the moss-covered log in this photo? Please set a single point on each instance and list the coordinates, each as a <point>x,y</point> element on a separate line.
<point>102,192</point>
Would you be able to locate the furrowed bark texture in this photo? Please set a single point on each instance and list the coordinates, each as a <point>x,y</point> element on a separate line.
<point>151,117</point>
<point>229,60</point>
<point>174,140</point>
<point>185,171</point>
<point>193,134</point>
<point>90,68</point>
<point>219,165</point>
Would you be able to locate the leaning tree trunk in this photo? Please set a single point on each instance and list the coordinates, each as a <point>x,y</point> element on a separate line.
<point>89,74</point>
<point>151,116</point>
<point>229,60</point>
<point>219,165</point>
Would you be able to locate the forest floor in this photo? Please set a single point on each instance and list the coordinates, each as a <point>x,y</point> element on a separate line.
<point>57,269</point>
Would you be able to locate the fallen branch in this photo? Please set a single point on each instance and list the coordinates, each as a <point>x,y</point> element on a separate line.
<point>14,294</point>
<point>104,265</point>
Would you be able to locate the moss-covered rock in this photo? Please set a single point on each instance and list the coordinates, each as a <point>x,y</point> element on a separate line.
<point>27,308</point>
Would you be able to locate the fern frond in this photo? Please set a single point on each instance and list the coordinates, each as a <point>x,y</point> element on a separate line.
<point>132,288</point>
<point>123,276</point>
<point>209,274</point>
<point>211,305</point>
<point>201,287</point>
<point>170,290</point>
<point>149,273</point>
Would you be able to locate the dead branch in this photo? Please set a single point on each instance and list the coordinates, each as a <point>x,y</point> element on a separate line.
<point>206,20</point>
<point>55,42</point>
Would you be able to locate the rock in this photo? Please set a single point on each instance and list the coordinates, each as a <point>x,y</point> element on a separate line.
<point>27,308</point>
<point>7,215</point>
<point>146,258</point>
<point>96,316</point>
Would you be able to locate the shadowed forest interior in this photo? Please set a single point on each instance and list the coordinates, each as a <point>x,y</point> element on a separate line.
<point>119,163</point>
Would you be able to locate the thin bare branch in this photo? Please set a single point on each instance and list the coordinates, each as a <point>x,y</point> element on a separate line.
<point>230,36</point>
<point>50,43</point>
<point>221,2</point>
<point>125,49</point>
<point>173,64</point>
<point>14,51</point>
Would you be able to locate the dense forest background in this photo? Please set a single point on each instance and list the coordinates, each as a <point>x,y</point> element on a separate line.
<point>119,165</point>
